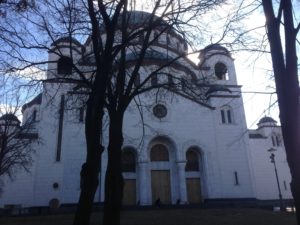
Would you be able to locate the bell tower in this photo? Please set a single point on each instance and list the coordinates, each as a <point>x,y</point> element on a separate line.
<point>216,60</point>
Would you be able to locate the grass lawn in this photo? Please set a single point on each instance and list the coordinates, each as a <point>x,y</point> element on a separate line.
<point>170,217</point>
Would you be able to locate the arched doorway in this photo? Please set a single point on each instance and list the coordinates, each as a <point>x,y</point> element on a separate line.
<point>129,174</point>
<point>160,175</point>
<point>193,179</point>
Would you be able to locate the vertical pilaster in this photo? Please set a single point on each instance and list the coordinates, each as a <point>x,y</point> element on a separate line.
<point>143,187</point>
<point>182,181</point>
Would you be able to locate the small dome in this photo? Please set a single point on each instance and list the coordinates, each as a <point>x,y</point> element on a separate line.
<point>211,49</point>
<point>267,119</point>
<point>10,117</point>
<point>215,47</point>
<point>66,39</point>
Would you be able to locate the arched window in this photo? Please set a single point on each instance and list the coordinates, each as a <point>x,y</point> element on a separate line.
<point>81,114</point>
<point>64,66</point>
<point>128,160</point>
<point>137,80</point>
<point>226,115</point>
<point>154,80</point>
<point>34,115</point>
<point>159,152</point>
<point>192,163</point>
<point>155,37</point>
<point>183,84</point>
<point>221,71</point>
<point>171,83</point>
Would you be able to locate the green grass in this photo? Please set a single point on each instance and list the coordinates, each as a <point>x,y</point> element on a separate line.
<point>170,217</point>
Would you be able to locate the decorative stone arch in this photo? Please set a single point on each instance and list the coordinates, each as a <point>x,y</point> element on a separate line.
<point>192,143</point>
<point>163,173</point>
<point>165,141</point>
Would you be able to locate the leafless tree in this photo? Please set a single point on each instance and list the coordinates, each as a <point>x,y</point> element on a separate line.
<point>283,36</point>
<point>16,142</point>
<point>122,42</point>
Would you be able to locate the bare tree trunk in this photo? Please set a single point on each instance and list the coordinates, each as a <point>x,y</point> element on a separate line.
<point>287,86</point>
<point>113,179</point>
<point>90,169</point>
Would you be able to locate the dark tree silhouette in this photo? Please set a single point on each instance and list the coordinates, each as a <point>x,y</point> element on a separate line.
<point>282,34</point>
<point>109,81</point>
<point>16,150</point>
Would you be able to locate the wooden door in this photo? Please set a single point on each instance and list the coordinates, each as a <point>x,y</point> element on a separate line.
<point>193,187</point>
<point>129,192</point>
<point>161,187</point>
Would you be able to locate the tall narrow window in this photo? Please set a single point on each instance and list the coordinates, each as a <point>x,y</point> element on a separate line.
<point>226,115</point>
<point>229,116</point>
<point>183,84</point>
<point>81,114</point>
<point>236,178</point>
<point>34,115</point>
<point>223,116</point>
<point>276,142</point>
<point>137,80</point>
<point>284,185</point>
<point>154,81</point>
<point>170,81</point>
<point>155,37</point>
<point>60,128</point>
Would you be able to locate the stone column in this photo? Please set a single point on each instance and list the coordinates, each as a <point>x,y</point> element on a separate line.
<point>143,184</point>
<point>182,181</point>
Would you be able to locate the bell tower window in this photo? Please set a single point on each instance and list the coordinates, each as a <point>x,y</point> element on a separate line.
<point>64,66</point>
<point>221,71</point>
<point>226,115</point>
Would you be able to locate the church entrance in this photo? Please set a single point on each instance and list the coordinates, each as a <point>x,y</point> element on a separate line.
<point>193,188</point>
<point>129,174</point>
<point>160,174</point>
<point>129,192</point>
<point>194,171</point>
<point>161,187</point>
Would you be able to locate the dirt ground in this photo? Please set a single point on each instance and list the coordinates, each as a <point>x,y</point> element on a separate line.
<point>227,216</point>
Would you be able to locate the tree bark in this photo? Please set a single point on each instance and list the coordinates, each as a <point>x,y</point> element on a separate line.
<point>90,169</point>
<point>113,178</point>
<point>287,87</point>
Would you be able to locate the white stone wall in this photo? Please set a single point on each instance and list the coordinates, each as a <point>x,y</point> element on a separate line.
<point>264,174</point>
<point>225,148</point>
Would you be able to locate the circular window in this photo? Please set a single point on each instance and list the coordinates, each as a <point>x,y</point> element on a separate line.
<point>160,111</point>
<point>55,185</point>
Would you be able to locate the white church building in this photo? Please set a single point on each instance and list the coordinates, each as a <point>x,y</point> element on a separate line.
<point>182,151</point>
